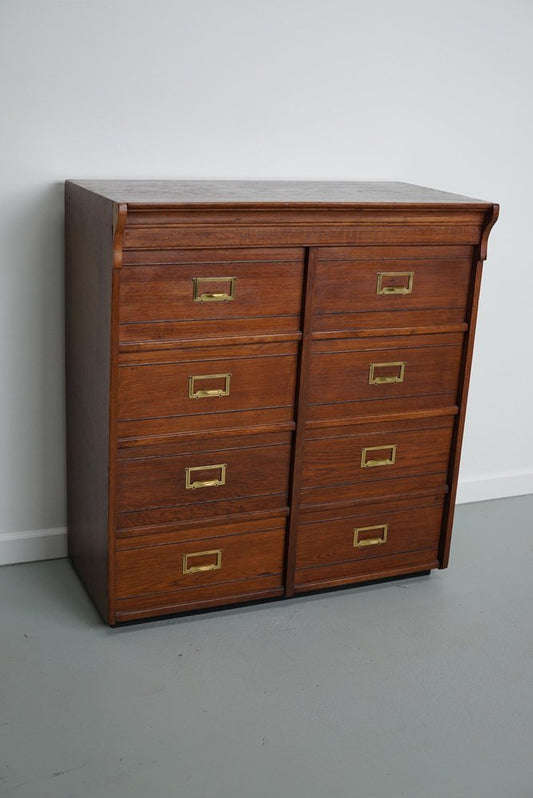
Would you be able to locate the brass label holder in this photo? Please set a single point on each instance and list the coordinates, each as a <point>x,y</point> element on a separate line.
<point>205,393</point>
<point>191,484</point>
<point>196,569</point>
<point>406,286</point>
<point>372,462</point>
<point>201,295</point>
<point>386,379</point>
<point>360,543</point>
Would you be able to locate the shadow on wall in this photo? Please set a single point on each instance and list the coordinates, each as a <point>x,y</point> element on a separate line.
<point>33,460</point>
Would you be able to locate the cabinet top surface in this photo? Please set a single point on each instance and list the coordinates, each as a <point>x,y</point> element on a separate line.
<point>270,192</point>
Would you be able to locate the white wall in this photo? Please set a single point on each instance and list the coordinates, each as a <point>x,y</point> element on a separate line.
<point>422,91</point>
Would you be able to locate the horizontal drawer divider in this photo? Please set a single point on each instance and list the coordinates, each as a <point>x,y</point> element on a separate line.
<point>419,251</point>
<point>392,311</point>
<point>145,217</point>
<point>211,261</point>
<point>184,590</point>
<point>182,360</point>
<point>160,237</point>
<point>308,506</point>
<point>195,427</point>
<point>372,508</point>
<point>411,344</point>
<point>199,343</point>
<point>384,430</point>
<point>122,615</point>
<point>383,217</point>
<point>378,418</point>
<point>170,526</point>
<point>389,332</point>
<point>213,348</point>
<point>240,254</point>
<point>369,558</point>
<point>149,440</point>
<point>210,536</point>
<point>212,318</point>
<point>209,502</point>
<point>369,481</point>
<point>467,223</point>
<point>383,399</point>
<point>219,412</point>
<point>400,570</point>
<point>215,448</point>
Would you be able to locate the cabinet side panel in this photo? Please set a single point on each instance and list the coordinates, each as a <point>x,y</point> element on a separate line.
<point>480,254</point>
<point>88,283</point>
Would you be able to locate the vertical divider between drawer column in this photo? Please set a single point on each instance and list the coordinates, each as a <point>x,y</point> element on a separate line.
<point>302,384</point>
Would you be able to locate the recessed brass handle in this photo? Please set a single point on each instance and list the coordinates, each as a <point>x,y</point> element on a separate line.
<point>386,379</point>
<point>199,295</point>
<point>384,461</point>
<point>195,569</point>
<point>205,393</point>
<point>398,283</point>
<point>361,542</point>
<point>205,483</point>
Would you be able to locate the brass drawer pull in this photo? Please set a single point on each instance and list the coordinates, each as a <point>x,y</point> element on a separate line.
<point>386,379</point>
<point>360,543</point>
<point>196,569</point>
<point>385,461</point>
<point>199,295</point>
<point>205,393</point>
<point>398,283</point>
<point>205,483</point>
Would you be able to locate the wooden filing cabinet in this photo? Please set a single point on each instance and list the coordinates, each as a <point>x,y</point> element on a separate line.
<point>266,385</point>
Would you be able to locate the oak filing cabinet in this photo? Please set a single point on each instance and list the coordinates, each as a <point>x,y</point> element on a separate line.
<point>266,385</point>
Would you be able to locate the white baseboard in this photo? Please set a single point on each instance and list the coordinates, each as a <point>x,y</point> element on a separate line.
<point>49,544</point>
<point>37,544</point>
<point>500,487</point>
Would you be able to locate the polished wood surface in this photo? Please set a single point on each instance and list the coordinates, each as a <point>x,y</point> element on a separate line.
<point>174,566</point>
<point>388,531</point>
<point>289,230</point>
<point>255,371</point>
<point>252,381</point>
<point>163,291</point>
<point>88,306</point>
<point>158,482</point>
<point>210,192</point>
<point>348,573</point>
<point>338,460</point>
<point>349,373</point>
<point>436,284</point>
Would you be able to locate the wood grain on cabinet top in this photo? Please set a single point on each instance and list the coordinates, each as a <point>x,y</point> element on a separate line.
<point>276,192</point>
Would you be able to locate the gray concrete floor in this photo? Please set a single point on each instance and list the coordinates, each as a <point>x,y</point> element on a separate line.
<point>419,688</point>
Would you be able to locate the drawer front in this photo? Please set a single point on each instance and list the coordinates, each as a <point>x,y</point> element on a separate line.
<point>235,380</point>
<point>398,288</point>
<point>374,535</point>
<point>205,563</point>
<point>206,483</point>
<point>188,293</point>
<point>286,227</point>
<point>381,378</point>
<point>359,466</point>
